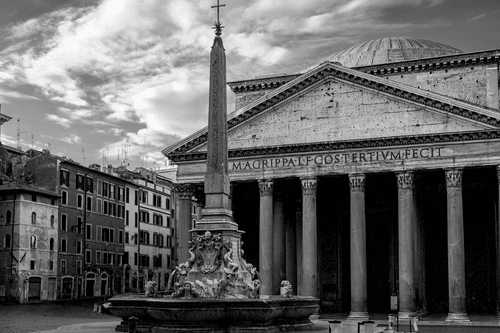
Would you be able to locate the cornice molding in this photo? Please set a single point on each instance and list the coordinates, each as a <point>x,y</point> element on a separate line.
<point>346,145</point>
<point>441,103</point>
<point>418,65</point>
<point>450,61</point>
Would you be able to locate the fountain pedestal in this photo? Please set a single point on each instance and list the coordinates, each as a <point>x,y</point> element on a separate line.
<point>270,314</point>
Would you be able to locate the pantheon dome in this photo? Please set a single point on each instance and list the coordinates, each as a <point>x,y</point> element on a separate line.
<point>391,49</point>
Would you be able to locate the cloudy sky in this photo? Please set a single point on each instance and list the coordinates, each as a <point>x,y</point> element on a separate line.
<point>110,79</point>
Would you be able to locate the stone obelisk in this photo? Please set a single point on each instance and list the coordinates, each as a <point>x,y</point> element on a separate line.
<point>217,222</point>
<point>217,214</point>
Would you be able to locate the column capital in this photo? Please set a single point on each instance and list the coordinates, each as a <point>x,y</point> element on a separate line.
<point>405,179</point>
<point>184,191</point>
<point>454,177</point>
<point>309,185</point>
<point>357,182</point>
<point>266,188</point>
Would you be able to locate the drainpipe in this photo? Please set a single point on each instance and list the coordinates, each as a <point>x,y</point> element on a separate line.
<point>11,276</point>
<point>84,242</point>
<point>139,194</point>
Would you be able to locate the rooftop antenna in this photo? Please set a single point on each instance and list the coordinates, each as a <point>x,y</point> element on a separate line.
<point>49,145</point>
<point>83,156</point>
<point>121,158</point>
<point>144,152</point>
<point>19,135</point>
<point>125,158</point>
<point>32,141</point>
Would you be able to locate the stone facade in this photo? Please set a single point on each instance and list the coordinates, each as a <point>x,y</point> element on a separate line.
<point>387,169</point>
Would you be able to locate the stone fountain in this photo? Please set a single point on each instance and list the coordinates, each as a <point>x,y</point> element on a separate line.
<point>216,290</point>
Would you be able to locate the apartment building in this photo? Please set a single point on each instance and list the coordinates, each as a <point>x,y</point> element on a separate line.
<point>91,228</point>
<point>148,229</point>
<point>28,233</point>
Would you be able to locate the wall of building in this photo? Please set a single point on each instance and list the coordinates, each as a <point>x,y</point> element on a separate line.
<point>335,111</point>
<point>32,253</point>
<point>474,84</point>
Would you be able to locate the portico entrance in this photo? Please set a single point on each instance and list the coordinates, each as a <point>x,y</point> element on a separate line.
<point>431,276</point>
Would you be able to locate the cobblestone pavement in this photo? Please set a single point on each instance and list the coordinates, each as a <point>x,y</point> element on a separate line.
<point>26,318</point>
<point>319,327</point>
<point>80,318</point>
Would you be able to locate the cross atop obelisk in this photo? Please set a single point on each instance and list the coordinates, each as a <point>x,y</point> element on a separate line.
<point>218,25</point>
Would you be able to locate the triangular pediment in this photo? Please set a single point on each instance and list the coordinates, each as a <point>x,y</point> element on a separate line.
<point>333,103</point>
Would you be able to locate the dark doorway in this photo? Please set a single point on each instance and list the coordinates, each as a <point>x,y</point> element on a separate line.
<point>245,203</point>
<point>34,288</point>
<point>89,288</point>
<point>479,196</point>
<point>431,206</point>
<point>67,288</point>
<point>333,243</point>
<point>381,219</point>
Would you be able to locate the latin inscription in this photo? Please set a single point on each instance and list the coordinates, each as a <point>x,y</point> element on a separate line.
<point>340,158</point>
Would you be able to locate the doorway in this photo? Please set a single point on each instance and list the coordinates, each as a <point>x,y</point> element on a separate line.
<point>34,288</point>
<point>52,289</point>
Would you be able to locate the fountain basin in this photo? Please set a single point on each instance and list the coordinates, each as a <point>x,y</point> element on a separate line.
<point>265,314</point>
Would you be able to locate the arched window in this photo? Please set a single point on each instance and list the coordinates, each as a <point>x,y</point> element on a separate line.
<point>52,244</point>
<point>7,241</point>
<point>33,218</point>
<point>33,242</point>
<point>52,221</point>
<point>9,217</point>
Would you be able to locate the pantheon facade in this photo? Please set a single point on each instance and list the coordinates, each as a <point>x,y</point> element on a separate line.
<point>368,178</point>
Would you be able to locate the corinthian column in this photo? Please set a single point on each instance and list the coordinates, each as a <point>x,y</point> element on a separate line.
<point>497,240</point>
<point>359,309</point>
<point>456,250</point>
<point>184,194</point>
<point>406,247</point>
<point>266,237</point>
<point>309,238</point>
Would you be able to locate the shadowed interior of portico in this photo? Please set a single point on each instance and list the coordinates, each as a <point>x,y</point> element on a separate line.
<point>333,199</point>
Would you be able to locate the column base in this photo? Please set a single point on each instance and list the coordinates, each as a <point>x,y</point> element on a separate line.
<point>458,317</point>
<point>358,316</point>
<point>422,313</point>
<point>407,315</point>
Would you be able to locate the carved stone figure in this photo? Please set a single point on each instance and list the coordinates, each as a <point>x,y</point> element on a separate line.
<point>186,291</point>
<point>286,289</point>
<point>151,289</point>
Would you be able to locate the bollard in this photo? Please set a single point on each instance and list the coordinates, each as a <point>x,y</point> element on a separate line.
<point>392,321</point>
<point>369,326</point>
<point>334,326</point>
<point>132,324</point>
<point>361,323</point>
<point>414,323</point>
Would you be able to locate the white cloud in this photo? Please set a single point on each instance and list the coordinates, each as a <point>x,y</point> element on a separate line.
<point>15,94</point>
<point>142,66</point>
<point>73,138</point>
<point>59,120</point>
